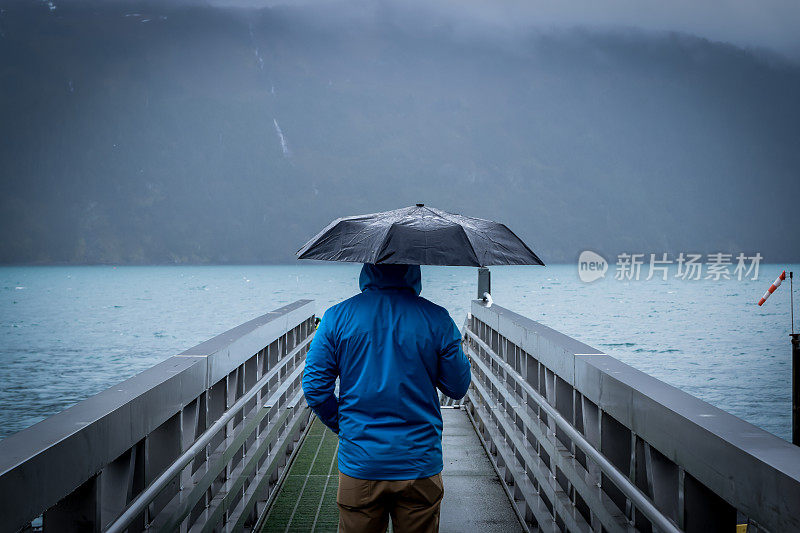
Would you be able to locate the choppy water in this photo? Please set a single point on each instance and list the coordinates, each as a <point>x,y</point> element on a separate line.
<point>69,332</point>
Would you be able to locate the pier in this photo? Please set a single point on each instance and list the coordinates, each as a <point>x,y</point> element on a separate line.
<point>553,435</point>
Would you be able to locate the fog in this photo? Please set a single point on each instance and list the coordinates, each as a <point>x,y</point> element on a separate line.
<point>168,132</point>
<point>769,23</point>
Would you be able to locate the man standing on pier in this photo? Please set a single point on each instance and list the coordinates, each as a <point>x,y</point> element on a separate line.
<point>391,349</point>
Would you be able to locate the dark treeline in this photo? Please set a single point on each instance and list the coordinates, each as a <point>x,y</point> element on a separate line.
<point>150,133</point>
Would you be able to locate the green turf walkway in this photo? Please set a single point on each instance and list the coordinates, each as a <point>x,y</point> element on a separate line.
<point>474,499</point>
<point>307,499</point>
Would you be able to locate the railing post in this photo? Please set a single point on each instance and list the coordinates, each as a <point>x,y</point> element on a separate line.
<point>796,388</point>
<point>484,282</point>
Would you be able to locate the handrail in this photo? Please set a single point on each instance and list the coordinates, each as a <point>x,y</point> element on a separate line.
<point>640,500</point>
<point>259,525</point>
<point>82,467</point>
<point>193,443</point>
<point>201,486</point>
<point>701,467</point>
<point>140,503</point>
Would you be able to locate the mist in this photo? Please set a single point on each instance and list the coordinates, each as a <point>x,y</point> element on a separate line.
<point>769,24</point>
<point>146,133</point>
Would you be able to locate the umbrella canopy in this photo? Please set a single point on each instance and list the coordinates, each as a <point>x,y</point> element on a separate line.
<point>419,235</point>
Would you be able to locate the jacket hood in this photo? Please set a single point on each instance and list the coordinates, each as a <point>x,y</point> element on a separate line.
<point>390,277</point>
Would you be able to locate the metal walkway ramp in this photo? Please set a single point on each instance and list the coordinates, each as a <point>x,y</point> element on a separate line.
<point>474,499</point>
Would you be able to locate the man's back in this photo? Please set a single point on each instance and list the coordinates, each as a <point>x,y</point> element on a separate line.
<point>391,349</point>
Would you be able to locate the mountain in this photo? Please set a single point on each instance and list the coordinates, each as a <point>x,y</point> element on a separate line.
<point>138,132</point>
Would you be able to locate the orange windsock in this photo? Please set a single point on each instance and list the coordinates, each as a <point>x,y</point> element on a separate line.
<point>772,288</point>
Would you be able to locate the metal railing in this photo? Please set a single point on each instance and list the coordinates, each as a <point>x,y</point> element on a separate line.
<point>585,443</point>
<point>198,442</point>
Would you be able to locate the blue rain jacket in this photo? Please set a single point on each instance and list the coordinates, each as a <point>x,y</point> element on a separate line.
<point>391,349</point>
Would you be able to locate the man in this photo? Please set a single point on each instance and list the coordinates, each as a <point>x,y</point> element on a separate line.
<point>391,349</point>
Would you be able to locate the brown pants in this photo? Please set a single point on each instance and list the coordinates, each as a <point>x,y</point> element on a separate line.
<point>365,505</point>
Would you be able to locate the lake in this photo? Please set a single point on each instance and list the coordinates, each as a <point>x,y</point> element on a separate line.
<point>68,332</point>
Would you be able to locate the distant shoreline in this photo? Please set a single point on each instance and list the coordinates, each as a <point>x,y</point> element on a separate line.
<point>306,262</point>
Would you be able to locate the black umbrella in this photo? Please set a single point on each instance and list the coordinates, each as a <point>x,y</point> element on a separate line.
<point>419,235</point>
